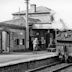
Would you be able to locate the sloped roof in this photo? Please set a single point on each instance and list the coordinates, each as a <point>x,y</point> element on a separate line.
<point>57,24</point>
<point>40,9</point>
<point>43,9</point>
<point>20,21</point>
<point>65,35</point>
<point>5,25</point>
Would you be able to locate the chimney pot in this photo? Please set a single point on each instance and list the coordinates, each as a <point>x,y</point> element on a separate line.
<point>33,8</point>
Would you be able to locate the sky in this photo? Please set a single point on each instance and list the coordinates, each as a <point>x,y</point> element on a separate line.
<point>61,7</point>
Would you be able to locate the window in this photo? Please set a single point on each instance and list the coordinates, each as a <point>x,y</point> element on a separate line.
<point>20,41</point>
<point>23,41</point>
<point>17,41</point>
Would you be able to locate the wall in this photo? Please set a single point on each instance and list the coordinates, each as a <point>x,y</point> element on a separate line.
<point>16,37</point>
<point>0,42</point>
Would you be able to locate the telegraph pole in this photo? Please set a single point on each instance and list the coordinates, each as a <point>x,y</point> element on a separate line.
<point>27,25</point>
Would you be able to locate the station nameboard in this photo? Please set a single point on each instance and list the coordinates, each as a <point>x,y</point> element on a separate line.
<point>42,26</point>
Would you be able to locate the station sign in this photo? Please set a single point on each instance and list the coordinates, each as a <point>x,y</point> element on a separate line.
<point>42,26</point>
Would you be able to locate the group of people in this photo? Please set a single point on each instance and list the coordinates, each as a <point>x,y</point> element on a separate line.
<point>38,43</point>
<point>63,53</point>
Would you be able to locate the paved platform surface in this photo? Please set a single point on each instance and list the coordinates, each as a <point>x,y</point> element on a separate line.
<point>14,58</point>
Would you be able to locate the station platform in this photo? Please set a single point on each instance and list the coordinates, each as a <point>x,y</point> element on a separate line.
<point>15,58</point>
<point>20,62</point>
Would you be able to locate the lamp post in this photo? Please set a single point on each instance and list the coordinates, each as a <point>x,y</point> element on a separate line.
<point>27,25</point>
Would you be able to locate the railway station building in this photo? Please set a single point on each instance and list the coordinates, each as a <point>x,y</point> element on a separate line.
<point>12,32</point>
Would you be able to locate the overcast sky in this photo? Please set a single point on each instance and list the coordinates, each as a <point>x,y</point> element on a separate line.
<point>63,8</point>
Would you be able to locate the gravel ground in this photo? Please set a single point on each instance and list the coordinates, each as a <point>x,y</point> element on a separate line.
<point>69,69</point>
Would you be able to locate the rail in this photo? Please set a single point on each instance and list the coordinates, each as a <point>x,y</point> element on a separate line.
<point>42,67</point>
<point>54,67</point>
<point>62,67</point>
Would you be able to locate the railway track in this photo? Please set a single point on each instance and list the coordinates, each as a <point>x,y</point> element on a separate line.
<point>43,67</point>
<point>55,67</point>
<point>62,67</point>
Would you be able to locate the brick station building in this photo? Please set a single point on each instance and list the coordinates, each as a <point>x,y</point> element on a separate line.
<point>12,32</point>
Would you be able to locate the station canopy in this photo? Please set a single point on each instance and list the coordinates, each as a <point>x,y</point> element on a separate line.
<point>54,25</point>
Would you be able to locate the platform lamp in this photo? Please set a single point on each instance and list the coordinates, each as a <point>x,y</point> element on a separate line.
<point>27,25</point>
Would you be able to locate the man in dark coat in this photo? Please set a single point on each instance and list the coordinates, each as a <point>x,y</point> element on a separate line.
<point>30,44</point>
<point>47,39</point>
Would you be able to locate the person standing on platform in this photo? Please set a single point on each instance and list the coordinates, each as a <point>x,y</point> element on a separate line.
<point>35,44</point>
<point>47,39</point>
<point>42,43</point>
<point>65,53</point>
<point>30,44</point>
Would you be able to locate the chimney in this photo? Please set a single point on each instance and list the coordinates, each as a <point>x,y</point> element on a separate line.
<point>33,8</point>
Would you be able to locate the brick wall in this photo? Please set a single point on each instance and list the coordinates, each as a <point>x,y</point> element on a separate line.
<point>14,35</point>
